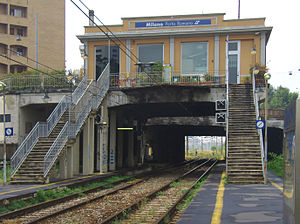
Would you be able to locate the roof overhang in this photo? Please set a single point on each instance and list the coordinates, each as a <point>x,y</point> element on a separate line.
<point>179,32</point>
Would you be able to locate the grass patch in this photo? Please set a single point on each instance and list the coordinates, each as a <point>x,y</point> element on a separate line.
<point>50,194</point>
<point>191,195</point>
<point>7,174</point>
<point>275,164</point>
<point>206,154</point>
<point>175,184</point>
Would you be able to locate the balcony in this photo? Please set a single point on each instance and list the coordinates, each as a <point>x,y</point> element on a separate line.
<point>144,79</point>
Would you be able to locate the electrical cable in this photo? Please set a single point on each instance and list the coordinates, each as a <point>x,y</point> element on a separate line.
<point>28,58</point>
<point>9,58</point>
<point>102,31</point>
<point>110,31</point>
<point>180,104</point>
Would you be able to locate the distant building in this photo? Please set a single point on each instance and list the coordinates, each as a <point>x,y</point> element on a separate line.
<point>35,29</point>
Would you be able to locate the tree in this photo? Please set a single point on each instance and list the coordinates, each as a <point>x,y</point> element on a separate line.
<point>279,98</point>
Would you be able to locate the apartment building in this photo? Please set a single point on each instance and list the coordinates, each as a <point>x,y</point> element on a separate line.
<point>34,29</point>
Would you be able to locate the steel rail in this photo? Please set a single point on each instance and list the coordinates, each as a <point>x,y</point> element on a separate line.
<point>80,204</point>
<point>47,204</point>
<point>171,211</point>
<point>150,196</point>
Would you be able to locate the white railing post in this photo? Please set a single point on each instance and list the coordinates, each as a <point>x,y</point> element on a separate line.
<point>84,106</point>
<point>43,129</point>
<point>227,105</point>
<point>258,118</point>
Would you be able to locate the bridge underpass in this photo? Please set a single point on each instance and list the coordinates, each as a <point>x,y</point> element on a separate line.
<point>161,122</point>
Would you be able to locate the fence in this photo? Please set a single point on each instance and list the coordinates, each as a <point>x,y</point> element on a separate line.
<point>126,80</point>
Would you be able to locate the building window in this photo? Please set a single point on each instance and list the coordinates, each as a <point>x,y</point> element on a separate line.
<point>150,53</point>
<point>102,59</point>
<point>3,28</point>
<point>3,9</point>
<point>194,58</point>
<point>18,11</point>
<point>18,30</point>
<point>7,118</point>
<point>20,51</point>
<point>17,69</point>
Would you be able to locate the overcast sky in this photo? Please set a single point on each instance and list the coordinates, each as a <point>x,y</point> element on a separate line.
<point>283,49</point>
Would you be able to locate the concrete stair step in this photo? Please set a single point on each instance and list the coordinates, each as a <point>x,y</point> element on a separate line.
<point>24,182</point>
<point>246,181</point>
<point>239,167</point>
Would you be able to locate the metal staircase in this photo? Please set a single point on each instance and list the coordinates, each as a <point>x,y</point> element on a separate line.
<point>245,153</point>
<point>39,151</point>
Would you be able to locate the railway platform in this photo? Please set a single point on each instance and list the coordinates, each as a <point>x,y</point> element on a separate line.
<point>14,191</point>
<point>218,202</point>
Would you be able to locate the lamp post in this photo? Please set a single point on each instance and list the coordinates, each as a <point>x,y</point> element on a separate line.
<point>2,86</point>
<point>267,76</point>
<point>70,80</point>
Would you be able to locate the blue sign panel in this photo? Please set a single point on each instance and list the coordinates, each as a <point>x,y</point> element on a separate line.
<point>260,124</point>
<point>9,131</point>
<point>155,24</point>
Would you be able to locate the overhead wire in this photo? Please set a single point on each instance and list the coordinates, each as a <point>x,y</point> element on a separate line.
<point>106,34</point>
<point>28,58</point>
<point>9,58</point>
<point>110,31</point>
<point>180,104</point>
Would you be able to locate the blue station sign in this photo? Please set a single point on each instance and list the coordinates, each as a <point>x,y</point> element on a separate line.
<point>157,24</point>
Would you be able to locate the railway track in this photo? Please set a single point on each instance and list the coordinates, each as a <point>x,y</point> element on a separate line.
<point>160,206</point>
<point>39,212</point>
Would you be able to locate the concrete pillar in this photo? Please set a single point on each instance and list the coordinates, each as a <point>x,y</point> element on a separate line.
<point>69,154</point>
<point>63,164</point>
<point>88,147</point>
<point>120,148</point>
<point>104,139</point>
<point>91,143</point>
<point>75,152</point>
<point>98,147</point>
<point>112,140</point>
<point>130,149</point>
<point>103,149</point>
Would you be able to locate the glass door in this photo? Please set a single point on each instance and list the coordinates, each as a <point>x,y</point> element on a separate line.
<point>234,62</point>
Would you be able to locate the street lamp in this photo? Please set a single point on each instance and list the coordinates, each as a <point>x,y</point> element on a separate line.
<point>2,86</point>
<point>267,76</point>
<point>70,80</point>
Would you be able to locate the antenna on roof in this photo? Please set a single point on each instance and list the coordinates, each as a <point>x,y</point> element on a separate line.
<point>239,10</point>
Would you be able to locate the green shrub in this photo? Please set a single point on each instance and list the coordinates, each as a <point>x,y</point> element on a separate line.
<point>275,164</point>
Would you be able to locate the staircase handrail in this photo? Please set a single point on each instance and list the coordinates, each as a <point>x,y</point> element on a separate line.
<point>255,99</point>
<point>39,130</point>
<point>55,148</point>
<point>43,129</point>
<point>72,129</point>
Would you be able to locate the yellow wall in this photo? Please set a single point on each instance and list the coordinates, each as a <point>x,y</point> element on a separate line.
<point>247,42</point>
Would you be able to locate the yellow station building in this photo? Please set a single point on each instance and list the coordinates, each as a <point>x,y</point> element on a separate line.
<point>187,46</point>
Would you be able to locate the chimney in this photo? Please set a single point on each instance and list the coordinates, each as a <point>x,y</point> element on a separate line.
<point>91,16</point>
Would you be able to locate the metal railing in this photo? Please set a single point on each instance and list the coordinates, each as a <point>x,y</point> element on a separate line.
<point>143,79</point>
<point>255,99</point>
<point>55,148</point>
<point>91,99</point>
<point>43,129</point>
<point>36,82</point>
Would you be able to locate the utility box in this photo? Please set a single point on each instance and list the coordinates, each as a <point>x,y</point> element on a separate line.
<point>291,151</point>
